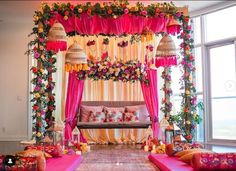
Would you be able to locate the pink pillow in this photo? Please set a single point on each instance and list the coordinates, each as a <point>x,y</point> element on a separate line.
<point>97,117</point>
<point>142,109</point>
<point>85,112</point>
<point>114,116</point>
<point>214,161</point>
<point>131,116</point>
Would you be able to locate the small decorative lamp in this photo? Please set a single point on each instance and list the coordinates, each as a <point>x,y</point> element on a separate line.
<point>57,39</point>
<point>76,59</point>
<point>166,52</point>
<point>173,26</point>
<point>163,125</point>
<point>75,135</point>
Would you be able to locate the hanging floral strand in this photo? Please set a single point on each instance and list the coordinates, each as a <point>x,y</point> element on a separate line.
<point>187,118</point>
<point>166,103</point>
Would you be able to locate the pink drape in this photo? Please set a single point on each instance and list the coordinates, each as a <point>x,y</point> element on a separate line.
<point>74,95</point>
<point>151,99</point>
<point>125,24</point>
<point>166,61</point>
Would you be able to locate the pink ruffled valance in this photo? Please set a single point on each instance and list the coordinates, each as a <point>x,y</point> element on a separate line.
<point>125,24</point>
<point>166,61</point>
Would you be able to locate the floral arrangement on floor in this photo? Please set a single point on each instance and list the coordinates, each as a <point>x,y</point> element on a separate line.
<point>187,118</point>
<point>76,148</point>
<point>129,71</point>
<point>154,145</point>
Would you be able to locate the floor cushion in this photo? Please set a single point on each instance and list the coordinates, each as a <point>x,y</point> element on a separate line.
<point>166,163</point>
<point>214,161</point>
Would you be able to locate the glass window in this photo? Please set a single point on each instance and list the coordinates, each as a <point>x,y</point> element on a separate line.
<point>220,24</point>
<point>223,92</point>
<point>222,70</point>
<point>224,118</point>
<point>196,30</point>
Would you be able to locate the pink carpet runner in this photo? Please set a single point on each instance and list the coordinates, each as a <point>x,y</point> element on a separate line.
<point>64,163</point>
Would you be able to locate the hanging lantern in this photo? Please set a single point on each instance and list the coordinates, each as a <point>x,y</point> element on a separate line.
<point>166,52</point>
<point>173,27</point>
<point>76,59</point>
<point>57,39</point>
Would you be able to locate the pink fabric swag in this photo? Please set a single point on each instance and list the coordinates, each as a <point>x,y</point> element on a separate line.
<point>74,95</point>
<point>151,99</point>
<point>93,25</point>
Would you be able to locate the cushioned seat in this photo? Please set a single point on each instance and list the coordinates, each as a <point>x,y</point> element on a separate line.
<point>166,163</point>
<point>64,163</point>
<point>89,125</point>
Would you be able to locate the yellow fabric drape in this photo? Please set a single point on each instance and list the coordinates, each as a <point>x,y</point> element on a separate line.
<point>112,91</point>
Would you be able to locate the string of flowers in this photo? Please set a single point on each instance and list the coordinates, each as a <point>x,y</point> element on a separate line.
<point>166,107</point>
<point>42,97</point>
<point>129,71</point>
<point>114,9</point>
<point>187,118</point>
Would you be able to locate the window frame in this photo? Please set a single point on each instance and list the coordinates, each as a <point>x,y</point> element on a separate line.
<point>205,47</point>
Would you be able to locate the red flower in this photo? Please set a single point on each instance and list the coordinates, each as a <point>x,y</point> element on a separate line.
<point>66,13</point>
<point>89,11</point>
<point>109,11</point>
<point>35,107</point>
<point>71,7</point>
<point>49,78</point>
<point>186,110</point>
<point>51,108</point>
<point>189,137</point>
<point>157,10</point>
<point>123,5</point>
<point>51,98</point>
<point>191,57</point>
<point>35,70</point>
<point>186,20</point>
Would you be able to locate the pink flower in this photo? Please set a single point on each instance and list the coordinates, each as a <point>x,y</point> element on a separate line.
<point>162,15</point>
<point>40,80</point>
<point>178,14</point>
<point>37,88</point>
<point>36,55</point>
<point>144,13</point>
<point>126,11</point>
<point>189,27</point>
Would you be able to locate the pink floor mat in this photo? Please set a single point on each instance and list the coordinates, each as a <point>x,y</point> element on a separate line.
<point>64,163</point>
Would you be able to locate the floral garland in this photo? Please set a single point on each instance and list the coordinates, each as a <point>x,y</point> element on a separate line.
<point>129,71</point>
<point>166,104</point>
<point>42,97</point>
<point>187,118</point>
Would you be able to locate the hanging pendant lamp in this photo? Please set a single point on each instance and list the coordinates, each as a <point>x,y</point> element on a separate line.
<point>166,54</point>
<point>173,27</point>
<point>57,39</point>
<point>76,58</point>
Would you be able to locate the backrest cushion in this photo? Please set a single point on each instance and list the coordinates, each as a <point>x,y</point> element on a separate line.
<point>85,112</point>
<point>97,117</point>
<point>141,109</point>
<point>114,116</point>
<point>131,116</point>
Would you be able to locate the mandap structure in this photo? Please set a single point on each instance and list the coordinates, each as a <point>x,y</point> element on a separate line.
<point>109,19</point>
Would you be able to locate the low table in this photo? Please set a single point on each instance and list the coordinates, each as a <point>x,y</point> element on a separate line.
<point>110,125</point>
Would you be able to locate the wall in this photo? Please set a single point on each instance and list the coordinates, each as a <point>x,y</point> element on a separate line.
<point>16,22</point>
